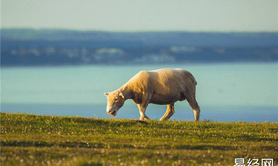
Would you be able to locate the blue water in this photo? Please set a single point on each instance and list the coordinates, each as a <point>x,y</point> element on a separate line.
<point>225,92</point>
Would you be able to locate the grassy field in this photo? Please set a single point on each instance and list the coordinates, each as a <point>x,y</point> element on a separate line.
<point>50,140</point>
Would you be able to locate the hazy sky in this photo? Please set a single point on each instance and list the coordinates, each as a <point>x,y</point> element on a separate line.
<point>142,15</point>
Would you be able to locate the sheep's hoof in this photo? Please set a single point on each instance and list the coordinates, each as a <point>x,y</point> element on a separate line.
<point>141,121</point>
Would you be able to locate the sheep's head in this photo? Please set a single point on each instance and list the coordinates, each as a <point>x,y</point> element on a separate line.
<point>115,100</point>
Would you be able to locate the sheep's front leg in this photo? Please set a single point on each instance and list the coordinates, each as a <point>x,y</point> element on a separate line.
<point>143,106</point>
<point>142,109</point>
<point>169,112</point>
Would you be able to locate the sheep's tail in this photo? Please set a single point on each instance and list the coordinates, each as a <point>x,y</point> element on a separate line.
<point>192,78</point>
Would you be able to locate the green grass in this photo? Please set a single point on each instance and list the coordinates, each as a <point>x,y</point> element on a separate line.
<point>50,140</point>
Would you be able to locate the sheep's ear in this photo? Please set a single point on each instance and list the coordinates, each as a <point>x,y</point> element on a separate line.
<point>106,94</point>
<point>121,95</point>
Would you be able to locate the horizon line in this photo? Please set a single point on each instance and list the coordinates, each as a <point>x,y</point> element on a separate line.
<point>131,31</point>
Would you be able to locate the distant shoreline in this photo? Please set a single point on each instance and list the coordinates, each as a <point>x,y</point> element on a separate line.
<point>58,47</point>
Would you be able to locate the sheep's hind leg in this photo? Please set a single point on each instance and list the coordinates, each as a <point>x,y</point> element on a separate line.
<point>169,112</point>
<point>196,109</point>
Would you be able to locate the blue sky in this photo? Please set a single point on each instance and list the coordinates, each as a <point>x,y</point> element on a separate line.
<point>143,15</point>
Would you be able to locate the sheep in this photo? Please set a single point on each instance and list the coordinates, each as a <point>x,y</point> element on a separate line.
<point>162,86</point>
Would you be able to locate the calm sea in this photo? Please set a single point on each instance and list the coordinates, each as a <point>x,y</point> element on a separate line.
<point>225,92</point>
